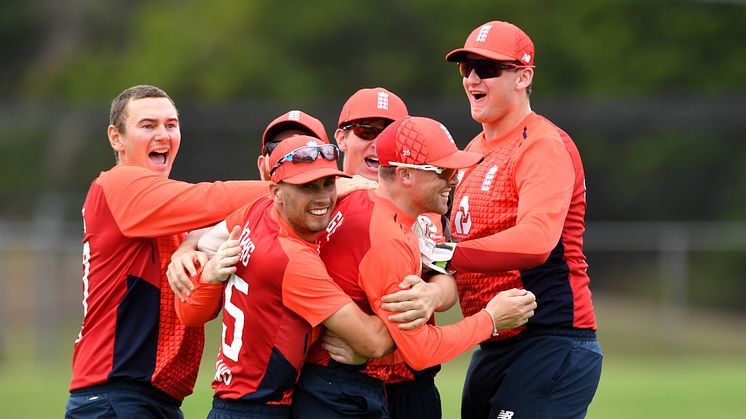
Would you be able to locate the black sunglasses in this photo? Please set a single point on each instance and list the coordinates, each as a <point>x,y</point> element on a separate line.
<point>268,147</point>
<point>485,69</point>
<point>365,132</point>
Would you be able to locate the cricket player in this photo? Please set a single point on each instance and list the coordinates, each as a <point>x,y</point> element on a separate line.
<point>370,247</point>
<point>363,116</point>
<point>278,290</point>
<point>132,357</point>
<point>409,394</point>
<point>518,218</point>
<point>290,123</point>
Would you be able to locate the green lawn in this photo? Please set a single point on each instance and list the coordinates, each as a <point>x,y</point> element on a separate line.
<point>644,376</point>
<point>631,387</point>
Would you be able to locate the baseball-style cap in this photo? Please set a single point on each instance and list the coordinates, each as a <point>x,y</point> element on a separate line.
<point>372,103</point>
<point>497,40</point>
<point>303,161</point>
<point>419,140</point>
<point>294,120</point>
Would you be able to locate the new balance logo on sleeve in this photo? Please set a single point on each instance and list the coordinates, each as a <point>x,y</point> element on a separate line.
<point>505,414</point>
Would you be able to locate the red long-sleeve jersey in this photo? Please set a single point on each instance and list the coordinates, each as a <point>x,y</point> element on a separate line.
<point>519,219</point>
<point>368,248</point>
<point>279,292</point>
<point>133,220</point>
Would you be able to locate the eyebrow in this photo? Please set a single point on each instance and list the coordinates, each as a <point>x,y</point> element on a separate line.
<point>156,120</point>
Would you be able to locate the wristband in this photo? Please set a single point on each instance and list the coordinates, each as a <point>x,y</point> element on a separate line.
<point>494,325</point>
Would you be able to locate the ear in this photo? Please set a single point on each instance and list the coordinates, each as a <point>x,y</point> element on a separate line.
<point>115,139</point>
<point>262,164</point>
<point>525,79</point>
<point>341,138</point>
<point>276,193</point>
<point>404,175</point>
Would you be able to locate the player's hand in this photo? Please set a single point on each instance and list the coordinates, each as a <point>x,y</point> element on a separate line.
<point>435,253</point>
<point>339,350</point>
<point>223,264</point>
<point>512,308</point>
<point>345,186</point>
<point>415,303</point>
<point>181,268</point>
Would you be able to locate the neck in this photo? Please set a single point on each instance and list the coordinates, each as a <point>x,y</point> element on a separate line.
<point>399,196</point>
<point>497,129</point>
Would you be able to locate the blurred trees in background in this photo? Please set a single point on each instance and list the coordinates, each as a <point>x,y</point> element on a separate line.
<point>226,50</point>
<point>653,92</point>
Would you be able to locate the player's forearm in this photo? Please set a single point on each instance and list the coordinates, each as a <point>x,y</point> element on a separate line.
<point>366,335</point>
<point>189,244</point>
<point>429,345</point>
<point>202,306</point>
<point>447,290</point>
<point>521,247</point>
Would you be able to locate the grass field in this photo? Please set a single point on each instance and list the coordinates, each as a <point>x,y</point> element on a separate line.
<point>647,373</point>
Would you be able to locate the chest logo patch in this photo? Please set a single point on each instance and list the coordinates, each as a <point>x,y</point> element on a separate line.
<point>462,220</point>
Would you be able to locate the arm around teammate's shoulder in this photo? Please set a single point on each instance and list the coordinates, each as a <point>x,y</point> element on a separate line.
<point>145,204</point>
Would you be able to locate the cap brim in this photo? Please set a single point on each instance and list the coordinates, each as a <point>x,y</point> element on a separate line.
<point>368,115</point>
<point>458,160</point>
<point>458,54</point>
<point>313,174</point>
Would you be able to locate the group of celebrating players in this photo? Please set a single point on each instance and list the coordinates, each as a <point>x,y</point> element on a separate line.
<point>327,279</point>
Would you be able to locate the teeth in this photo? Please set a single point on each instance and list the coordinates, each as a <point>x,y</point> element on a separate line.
<point>320,211</point>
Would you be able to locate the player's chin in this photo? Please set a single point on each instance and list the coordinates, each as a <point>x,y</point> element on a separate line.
<point>317,223</point>
<point>439,207</point>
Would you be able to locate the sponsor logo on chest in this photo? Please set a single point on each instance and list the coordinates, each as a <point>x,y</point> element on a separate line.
<point>247,245</point>
<point>334,223</point>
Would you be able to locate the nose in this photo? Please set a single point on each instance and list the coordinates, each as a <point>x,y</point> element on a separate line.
<point>453,181</point>
<point>472,77</point>
<point>325,195</point>
<point>162,132</point>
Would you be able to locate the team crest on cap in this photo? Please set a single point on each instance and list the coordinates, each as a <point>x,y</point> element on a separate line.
<point>312,143</point>
<point>382,101</point>
<point>483,32</point>
<point>294,115</point>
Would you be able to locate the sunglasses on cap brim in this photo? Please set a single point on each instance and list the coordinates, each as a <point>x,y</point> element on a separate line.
<point>308,154</point>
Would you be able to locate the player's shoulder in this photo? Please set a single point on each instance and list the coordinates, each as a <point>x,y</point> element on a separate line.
<point>302,257</point>
<point>123,175</point>
<point>258,209</point>
<point>355,205</point>
<point>540,128</point>
<point>355,199</point>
